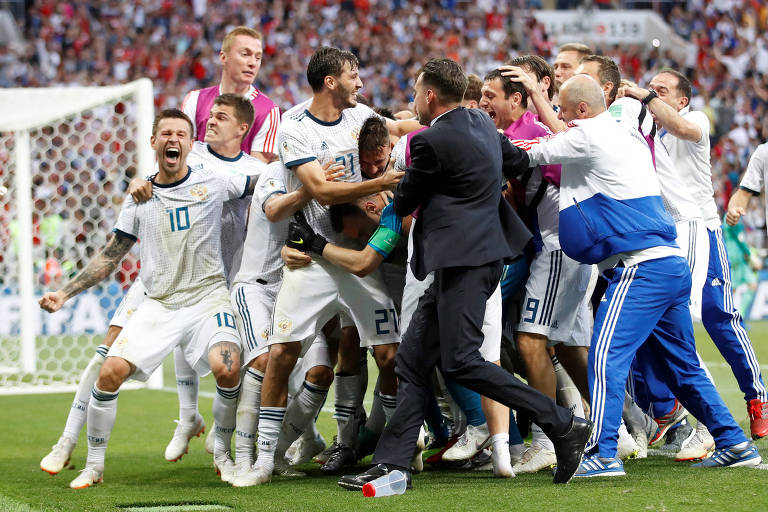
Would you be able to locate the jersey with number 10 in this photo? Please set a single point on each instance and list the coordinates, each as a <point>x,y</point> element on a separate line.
<point>180,233</point>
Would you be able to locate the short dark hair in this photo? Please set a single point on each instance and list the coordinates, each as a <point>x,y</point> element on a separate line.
<point>539,67</point>
<point>579,48</point>
<point>341,210</point>
<point>607,71</point>
<point>242,106</point>
<point>328,61</point>
<point>373,135</point>
<point>683,84</point>
<point>474,85</point>
<point>509,86</point>
<point>172,113</point>
<point>447,78</point>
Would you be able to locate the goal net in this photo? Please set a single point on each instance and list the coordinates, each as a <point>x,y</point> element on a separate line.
<point>66,157</point>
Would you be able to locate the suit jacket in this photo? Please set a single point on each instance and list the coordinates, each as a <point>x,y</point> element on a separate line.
<point>456,175</point>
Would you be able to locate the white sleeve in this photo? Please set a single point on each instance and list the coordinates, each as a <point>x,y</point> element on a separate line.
<point>398,153</point>
<point>293,150</point>
<point>266,138</point>
<point>701,120</point>
<point>267,186</point>
<point>561,148</point>
<point>754,177</point>
<point>127,224</point>
<point>189,107</point>
<point>236,185</point>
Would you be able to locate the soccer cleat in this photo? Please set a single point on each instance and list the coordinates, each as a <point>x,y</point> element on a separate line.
<point>225,467</point>
<point>534,459</point>
<point>641,439</point>
<point>417,464</point>
<point>59,456</point>
<point>437,458</point>
<point>472,441</point>
<point>342,458</point>
<point>697,447</point>
<point>255,475</point>
<point>284,468</point>
<point>758,418</point>
<point>678,436</point>
<point>732,456</point>
<point>516,452</point>
<point>501,463</point>
<point>185,431</point>
<point>302,451</point>
<point>594,465</point>
<point>88,477</point>
<point>672,418</point>
<point>322,457</point>
<point>626,447</point>
<point>210,439</point>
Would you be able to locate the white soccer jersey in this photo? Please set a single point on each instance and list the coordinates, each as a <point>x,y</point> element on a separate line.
<point>691,159</point>
<point>261,262</point>
<point>756,174</point>
<point>235,212</point>
<point>180,232</point>
<point>303,138</point>
<point>398,154</point>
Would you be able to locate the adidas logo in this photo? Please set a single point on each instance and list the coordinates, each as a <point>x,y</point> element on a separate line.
<point>554,324</point>
<point>323,146</point>
<point>716,282</point>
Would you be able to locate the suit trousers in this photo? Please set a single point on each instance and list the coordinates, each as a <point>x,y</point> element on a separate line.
<point>446,331</point>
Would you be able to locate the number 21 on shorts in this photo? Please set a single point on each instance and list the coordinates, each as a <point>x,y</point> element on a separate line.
<point>386,321</point>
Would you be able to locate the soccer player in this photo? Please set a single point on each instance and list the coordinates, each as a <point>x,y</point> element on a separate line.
<point>752,184</point>
<point>567,60</point>
<point>186,304</point>
<point>312,134</point>
<point>240,57</point>
<point>685,134</point>
<point>608,178</point>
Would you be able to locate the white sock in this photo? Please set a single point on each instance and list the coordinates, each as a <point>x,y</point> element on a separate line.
<point>388,403</point>
<point>270,423</point>
<point>345,408</point>
<point>224,415</point>
<point>540,438</point>
<point>300,414</point>
<point>187,384</point>
<point>500,442</point>
<point>248,416</point>
<point>567,393</point>
<point>79,411</point>
<point>102,411</point>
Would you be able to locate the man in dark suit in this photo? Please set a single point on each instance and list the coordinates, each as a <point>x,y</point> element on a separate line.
<point>464,231</point>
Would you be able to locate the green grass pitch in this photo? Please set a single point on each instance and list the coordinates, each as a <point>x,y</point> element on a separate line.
<point>137,475</point>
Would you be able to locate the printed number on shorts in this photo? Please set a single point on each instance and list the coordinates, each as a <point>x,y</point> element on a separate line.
<point>531,306</point>
<point>229,320</point>
<point>381,317</point>
<point>179,218</point>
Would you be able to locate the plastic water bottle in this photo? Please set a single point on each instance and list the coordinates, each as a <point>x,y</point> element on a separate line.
<point>390,484</point>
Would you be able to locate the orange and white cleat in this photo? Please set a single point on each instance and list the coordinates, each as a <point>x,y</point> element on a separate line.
<point>88,477</point>
<point>758,418</point>
<point>59,456</point>
<point>185,431</point>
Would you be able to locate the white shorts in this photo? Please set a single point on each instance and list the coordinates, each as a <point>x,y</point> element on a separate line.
<point>581,333</point>
<point>490,350</point>
<point>693,239</point>
<point>312,295</point>
<point>317,355</point>
<point>253,305</point>
<point>554,292</point>
<point>153,331</point>
<point>129,304</point>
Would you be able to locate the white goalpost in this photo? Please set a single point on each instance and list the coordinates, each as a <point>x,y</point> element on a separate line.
<point>66,157</point>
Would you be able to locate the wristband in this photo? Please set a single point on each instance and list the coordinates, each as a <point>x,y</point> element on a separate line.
<point>650,97</point>
<point>384,240</point>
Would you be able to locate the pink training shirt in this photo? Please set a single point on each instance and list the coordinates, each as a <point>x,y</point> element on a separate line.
<point>261,137</point>
<point>529,127</point>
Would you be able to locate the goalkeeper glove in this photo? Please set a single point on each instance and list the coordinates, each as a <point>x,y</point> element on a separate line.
<point>301,236</point>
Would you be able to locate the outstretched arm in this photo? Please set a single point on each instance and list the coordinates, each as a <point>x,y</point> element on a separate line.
<point>96,271</point>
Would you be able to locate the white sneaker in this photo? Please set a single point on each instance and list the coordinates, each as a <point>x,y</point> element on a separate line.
<point>469,444</point>
<point>417,464</point>
<point>627,447</point>
<point>225,467</point>
<point>88,477</point>
<point>301,451</point>
<point>502,463</point>
<point>210,439</point>
<point>185,431</point>
<point>535,458</point>
<point>59,456</point>
<point>700,446</point>
<point>255,475</point>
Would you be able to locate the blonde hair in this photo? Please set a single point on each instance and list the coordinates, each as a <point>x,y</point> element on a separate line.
<point>226,44</point>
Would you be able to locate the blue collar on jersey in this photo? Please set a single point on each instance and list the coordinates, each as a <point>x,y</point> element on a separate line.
<point>222,157</point>
<point>175,183</point>
<point>324,123</point>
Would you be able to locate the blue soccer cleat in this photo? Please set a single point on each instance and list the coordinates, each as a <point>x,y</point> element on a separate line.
<point>594,465</point>
<point>730,456</point>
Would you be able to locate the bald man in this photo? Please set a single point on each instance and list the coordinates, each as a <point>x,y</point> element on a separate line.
<point>612,215</point>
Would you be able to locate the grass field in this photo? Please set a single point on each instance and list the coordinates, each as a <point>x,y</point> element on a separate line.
<point>137,474</point>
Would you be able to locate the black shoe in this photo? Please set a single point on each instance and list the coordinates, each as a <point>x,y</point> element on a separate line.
<point>343,457</point>
<point>569,449</point>
<point>356,482</point>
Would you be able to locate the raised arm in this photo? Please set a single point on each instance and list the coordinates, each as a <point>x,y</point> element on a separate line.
<point>667,116</point>
<point>547,114</point>
<point>96,271</point>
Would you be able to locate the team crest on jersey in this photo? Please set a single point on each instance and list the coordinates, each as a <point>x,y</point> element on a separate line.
<point>284,326</point>
<point>199,192</point>
<point>285,145</point>
<point>265,334</point>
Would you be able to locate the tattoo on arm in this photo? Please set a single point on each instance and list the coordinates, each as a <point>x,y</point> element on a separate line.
<point>101,266</point>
